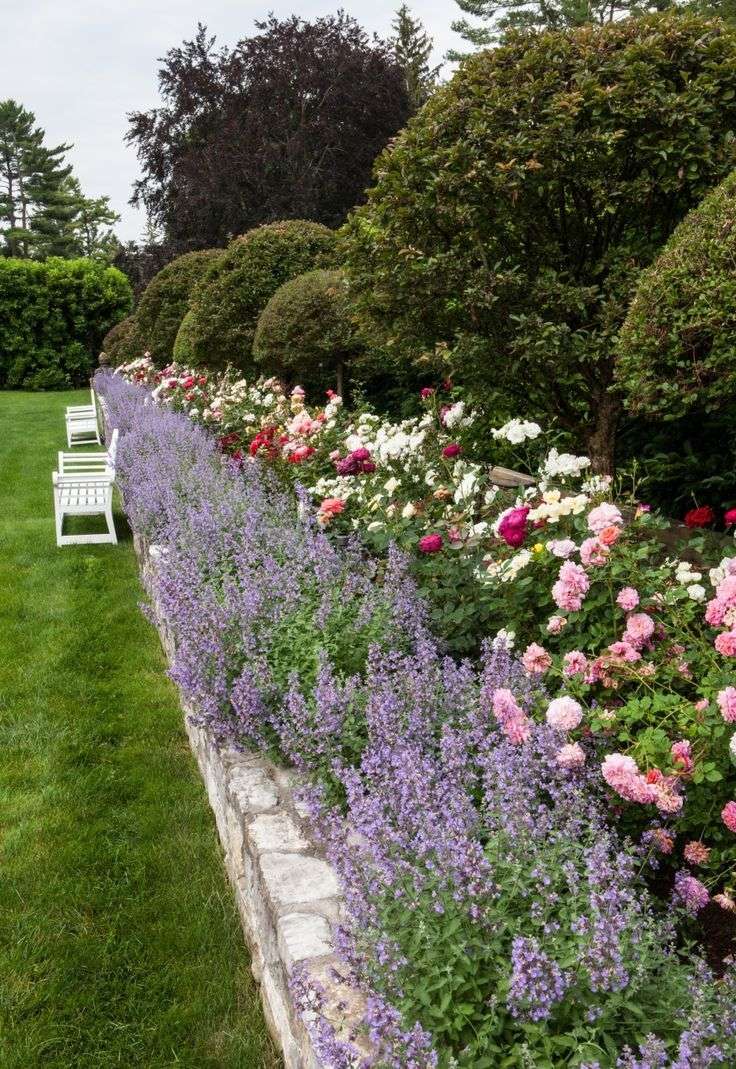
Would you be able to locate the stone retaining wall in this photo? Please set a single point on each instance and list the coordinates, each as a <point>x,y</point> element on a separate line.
<point>287,894</point>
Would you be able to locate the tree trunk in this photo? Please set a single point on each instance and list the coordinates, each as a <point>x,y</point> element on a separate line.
<point>602,436</point>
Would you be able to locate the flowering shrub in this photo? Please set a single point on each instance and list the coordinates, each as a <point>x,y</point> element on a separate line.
<point>494,907</point>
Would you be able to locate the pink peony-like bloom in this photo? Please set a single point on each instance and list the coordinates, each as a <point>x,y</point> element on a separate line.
<point>425,392</point>
<point>617,768</point>
<point>662,840</point>
<point>725,902</point>
<point>639,629</point>
<point>512,527</point>
<point>726,699</point>
<point>535,659</point>
<point>624,651</point>
<point>555,624</point>
<point>605,515</point>
<point>702,705</point>
<point>571,755</point>
<point>576,663</point>
<point>728,815</point>
<point>696,853</point>
<point>564,714</point>
<point>593,553</point>
<point>725,643</point>
<point>561,547</point>
<point>512,718</point>
<point>431,543</point>
<point>622,774</point>
<point>682,755</point>
<point>571,586</point>
<point>628,598</point>
<point>452,450</point>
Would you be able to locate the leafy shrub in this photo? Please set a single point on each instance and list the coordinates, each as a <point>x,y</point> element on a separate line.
<point>123,343</point>
<point>678,344</point>
<point>511,218</point>
<point>53,316</point>
<point>227,306</point>
<point>183,343</point>
<point>307,332</point>
<point>165,301</point>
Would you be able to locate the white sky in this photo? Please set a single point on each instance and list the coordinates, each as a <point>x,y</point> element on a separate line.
<point>81,65</point>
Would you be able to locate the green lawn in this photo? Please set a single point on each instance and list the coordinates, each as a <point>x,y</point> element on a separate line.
<point>119,941</point>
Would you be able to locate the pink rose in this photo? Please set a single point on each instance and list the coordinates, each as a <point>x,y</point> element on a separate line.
<point>605,515</point>
<point>555,624</point>
<point>725,643</point>
<point>561,547</point>
<point>682,755</point>
<point>628,598</point>
<point>535,659</point>
<point>564,714</point>
<point>512,527</point>
<point>730,517</point>
<point>609,535</point>
<point>696,853</point>
<point>576,663</point>
<point>426,392</point>
<point>639,628</point>
<point>728,815</point>
<point>727,704</point>
<point>593,553</point>
<point>431,543</point>
<point>452,450</point>
<point>571,755</point>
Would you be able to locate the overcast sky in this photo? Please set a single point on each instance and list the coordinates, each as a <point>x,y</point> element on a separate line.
<point>81,65</point>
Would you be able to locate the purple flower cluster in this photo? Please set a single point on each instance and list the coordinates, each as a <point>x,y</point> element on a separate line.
<point>474,868</point>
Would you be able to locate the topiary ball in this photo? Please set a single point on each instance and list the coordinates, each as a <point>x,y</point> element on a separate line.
<point>123,343</point>
<point>165,301</point>
<point>227,306</point>
<point>677,351</point>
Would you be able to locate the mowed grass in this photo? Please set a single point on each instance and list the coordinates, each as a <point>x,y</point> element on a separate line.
<point>119,941</point>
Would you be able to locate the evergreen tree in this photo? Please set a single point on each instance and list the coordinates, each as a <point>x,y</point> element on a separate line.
<point>497,16</point>
<point>33,205</point>
<point>90,227</point>
<point>412,47</point>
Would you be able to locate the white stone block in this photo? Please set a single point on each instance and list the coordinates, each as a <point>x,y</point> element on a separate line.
<point>294,878</point>
<point>275,831</point>
<point>303,935</point>
<point>253,790</point>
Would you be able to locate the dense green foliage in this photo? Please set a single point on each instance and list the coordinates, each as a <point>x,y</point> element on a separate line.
<point>53,316</point>
<point>242,281</point>
<point>509,222</point>
<point>307,333</point>
<point>183,350</point>
<point>165,302</point>
<point>677,347</point>
<point>120,943</point>
<point>123,342</point>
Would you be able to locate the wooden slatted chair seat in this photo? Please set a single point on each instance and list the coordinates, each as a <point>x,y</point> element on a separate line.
<point>82,426</point>
<point>89,463</point>
<point>87,494</point>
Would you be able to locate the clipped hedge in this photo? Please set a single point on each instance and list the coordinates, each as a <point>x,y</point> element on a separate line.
<point>307,331</point>
<point>123,343</point>
<point>227,306</point>
<point>183,343</point>
<point>53,317</point>
<point>678,344</point>
<point>165,301</point>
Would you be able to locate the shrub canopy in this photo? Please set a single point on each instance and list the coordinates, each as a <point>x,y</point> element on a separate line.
<point>678,344</point>
<point>123,343</point>
<point>53,316</point>
<point>307,331</point>
<point>183,351</point>
<point>241,282</point>
<point>511,218</point>
<point>165,301</point>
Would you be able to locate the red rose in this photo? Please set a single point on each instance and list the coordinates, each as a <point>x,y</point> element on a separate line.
<point>730,518</point>
<point>452,450</point>
<point>701,517</point>
<point>431,543</point>
<point>425,392</point>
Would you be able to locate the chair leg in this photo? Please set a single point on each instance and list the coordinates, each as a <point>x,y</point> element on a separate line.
<point>59,518</point>
<point>111,525</point>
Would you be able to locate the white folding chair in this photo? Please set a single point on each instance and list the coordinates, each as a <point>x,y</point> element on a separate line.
<point>89,463</point>
<point>82,427</point>
<point>84,495</point>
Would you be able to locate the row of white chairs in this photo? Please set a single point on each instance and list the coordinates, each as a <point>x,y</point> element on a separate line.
<point>83,482</point>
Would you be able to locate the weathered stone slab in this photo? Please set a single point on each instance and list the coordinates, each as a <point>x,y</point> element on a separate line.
<point>301,936</point>
<point>294,878</point>
<point>275,831</point>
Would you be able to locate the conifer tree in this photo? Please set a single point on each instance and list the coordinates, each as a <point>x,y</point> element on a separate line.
<point>412,47</point>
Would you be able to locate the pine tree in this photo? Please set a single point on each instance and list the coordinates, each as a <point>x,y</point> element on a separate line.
<point>34,207</point>
<point>497,16</point>
<point>412,47</point>
<point>90,227</point>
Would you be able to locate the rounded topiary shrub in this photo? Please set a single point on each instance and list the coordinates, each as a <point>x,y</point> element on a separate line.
<point>183,347</point>
<point>307,331</point>
<point>123,343</point>
<point>510,219</point>
<point>227,306</point>
<point>165,301</point>
<point>678,345</point>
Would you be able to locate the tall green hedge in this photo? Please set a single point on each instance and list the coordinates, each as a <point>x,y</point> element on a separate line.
<point>165,301</point>
<point>53,317</point>
<point>678,344</point>
<point>123,343</point>
<point>227,304</point>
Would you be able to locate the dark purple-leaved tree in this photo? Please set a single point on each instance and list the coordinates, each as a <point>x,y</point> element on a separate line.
<point>285,125</point>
